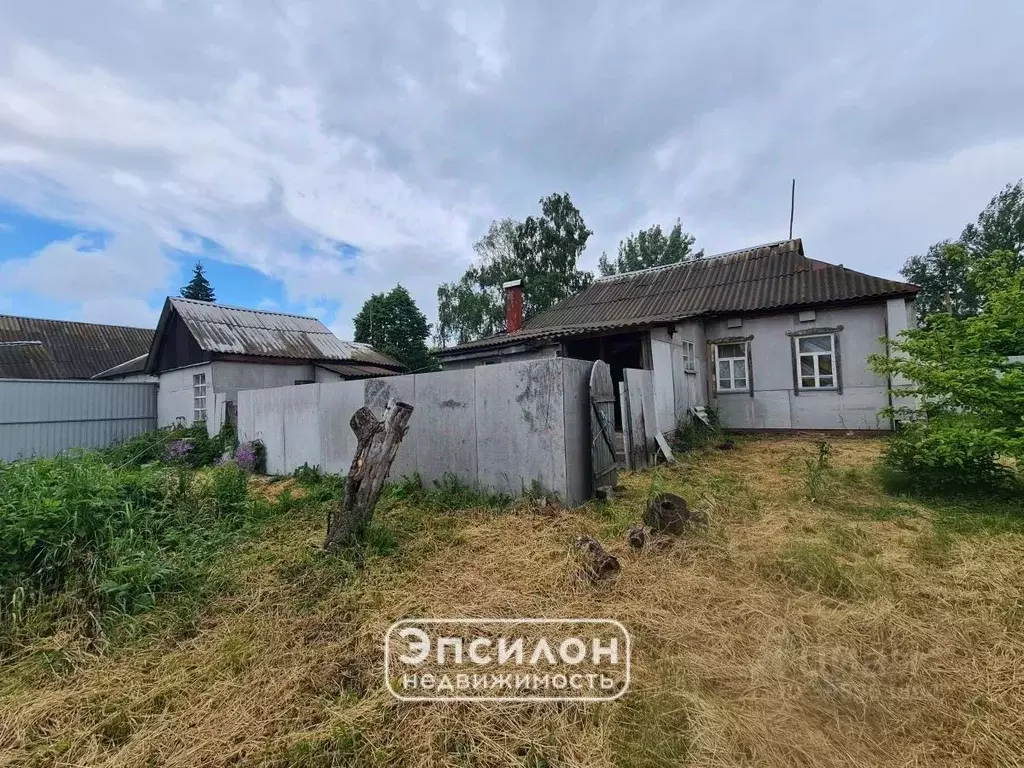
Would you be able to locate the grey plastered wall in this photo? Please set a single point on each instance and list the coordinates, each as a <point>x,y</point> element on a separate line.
<point>775,405</point>
<point>230,377</point>
<point>45,418</point>
<point>174,396</point>
<point>677,390</point>
<point>498,426</point>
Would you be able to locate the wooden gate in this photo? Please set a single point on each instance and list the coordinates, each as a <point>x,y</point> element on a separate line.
<point>602,426</point>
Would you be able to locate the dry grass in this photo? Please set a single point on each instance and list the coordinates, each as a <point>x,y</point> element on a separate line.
<point>790,633</point>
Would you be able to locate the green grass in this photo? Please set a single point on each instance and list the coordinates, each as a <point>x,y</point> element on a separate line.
<point>85,543</point>
<point>819,566</point>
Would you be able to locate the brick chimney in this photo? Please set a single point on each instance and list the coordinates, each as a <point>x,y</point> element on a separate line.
<point>513,305</point>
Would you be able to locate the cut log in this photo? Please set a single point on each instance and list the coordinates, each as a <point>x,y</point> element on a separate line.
<point>597,564</point>
<point>636,536</point>
<point>668,513</point>
<point>377,444</point>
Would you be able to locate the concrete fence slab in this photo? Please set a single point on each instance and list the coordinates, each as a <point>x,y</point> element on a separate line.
<point>500,426</point>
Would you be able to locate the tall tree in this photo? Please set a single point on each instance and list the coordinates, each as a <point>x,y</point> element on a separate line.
<point>651,248</point>
<point>1000,227</point>
<point>393,324</point>
<point>946,272</point>
<point>542,251</point>
<point>198,287</point>
<point>942,273</point>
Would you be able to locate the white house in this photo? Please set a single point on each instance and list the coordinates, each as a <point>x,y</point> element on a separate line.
<point>203,354</point>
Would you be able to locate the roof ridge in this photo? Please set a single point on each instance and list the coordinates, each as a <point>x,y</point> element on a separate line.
<point>245,309</point>
<point>692,262</point>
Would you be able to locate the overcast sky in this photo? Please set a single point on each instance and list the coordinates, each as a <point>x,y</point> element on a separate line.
<point>313,153</point>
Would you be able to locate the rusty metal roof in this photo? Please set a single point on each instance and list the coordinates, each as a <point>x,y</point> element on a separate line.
<point>224,330</point>
<point>763,278</point>
<point>31,348</point>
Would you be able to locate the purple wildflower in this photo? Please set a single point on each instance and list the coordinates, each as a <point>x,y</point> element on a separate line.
<point>245,457</point>
<point>178,449</point>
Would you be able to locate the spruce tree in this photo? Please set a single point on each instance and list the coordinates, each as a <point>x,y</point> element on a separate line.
<point>198,287</point>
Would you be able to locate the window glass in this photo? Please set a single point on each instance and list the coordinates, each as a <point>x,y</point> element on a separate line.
<point>816,344</point>
<point>816,361</point>
<point>731,350</point>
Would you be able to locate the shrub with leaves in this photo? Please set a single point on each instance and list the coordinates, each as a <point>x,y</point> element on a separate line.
<point>968,428</point>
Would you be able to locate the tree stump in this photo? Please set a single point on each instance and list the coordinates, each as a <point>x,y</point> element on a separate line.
<point>597,563</point>
<point>668,513</point>
<point>636,536</point>
<point>377,444</point>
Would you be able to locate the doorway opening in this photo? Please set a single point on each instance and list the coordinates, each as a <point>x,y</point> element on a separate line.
<point>620,351</point>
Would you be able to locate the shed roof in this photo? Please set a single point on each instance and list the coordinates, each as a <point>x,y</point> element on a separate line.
<point>773,276</point>
<point>225,330</point>
<point>33,348</point>
<point>135,365</point>
<point>354,371</point>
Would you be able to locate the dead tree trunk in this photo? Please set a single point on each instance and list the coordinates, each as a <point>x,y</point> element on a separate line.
<point>378,443</point>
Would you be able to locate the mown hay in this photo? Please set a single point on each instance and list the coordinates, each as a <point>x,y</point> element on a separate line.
<point>789,632</point>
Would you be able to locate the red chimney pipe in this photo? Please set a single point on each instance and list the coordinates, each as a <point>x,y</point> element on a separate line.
<point>513,305</point>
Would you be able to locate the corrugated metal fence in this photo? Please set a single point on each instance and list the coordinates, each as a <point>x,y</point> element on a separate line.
<point>44,418</point>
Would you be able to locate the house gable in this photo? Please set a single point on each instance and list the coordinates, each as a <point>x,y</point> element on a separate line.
<point>176,346</point>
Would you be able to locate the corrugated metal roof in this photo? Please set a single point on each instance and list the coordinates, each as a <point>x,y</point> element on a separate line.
<point>763,278</point>
<point>32,348</point>
<point>227,330</point>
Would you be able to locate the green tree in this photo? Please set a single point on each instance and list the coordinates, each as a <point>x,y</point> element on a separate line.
<point>198,287</point>
<point>651,248</point>
<point>542,251</point>
<point>393,324</point>
<point>1000,227</point>
<point>942,273</point>
<point>971,395</point>
<point>946,272</point>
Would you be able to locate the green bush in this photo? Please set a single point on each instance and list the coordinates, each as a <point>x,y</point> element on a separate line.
<point>191,446</point>
<point>967,425</point>
<point>948,453</point>
<point>86,533</point>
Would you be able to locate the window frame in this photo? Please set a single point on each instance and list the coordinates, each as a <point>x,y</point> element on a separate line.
<point>689,356</point>
<point>199,392</point>
<point>832,354</point>
<point>745,357</point>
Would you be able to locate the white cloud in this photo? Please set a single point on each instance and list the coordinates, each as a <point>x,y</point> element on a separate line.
<point>106,282</point>
<point>120,311</point>
<point>279,131</point>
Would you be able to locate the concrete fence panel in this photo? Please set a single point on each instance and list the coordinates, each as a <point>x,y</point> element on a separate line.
<point>446,423</point>
<point>46,418</point>
<point>498,426</point>
<point>520,425</point>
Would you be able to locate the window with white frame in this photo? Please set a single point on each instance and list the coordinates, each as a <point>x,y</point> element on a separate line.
<point>199,397</point>
<point>731,367</point>
<point>689,364</point>
<point>816,361</point>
